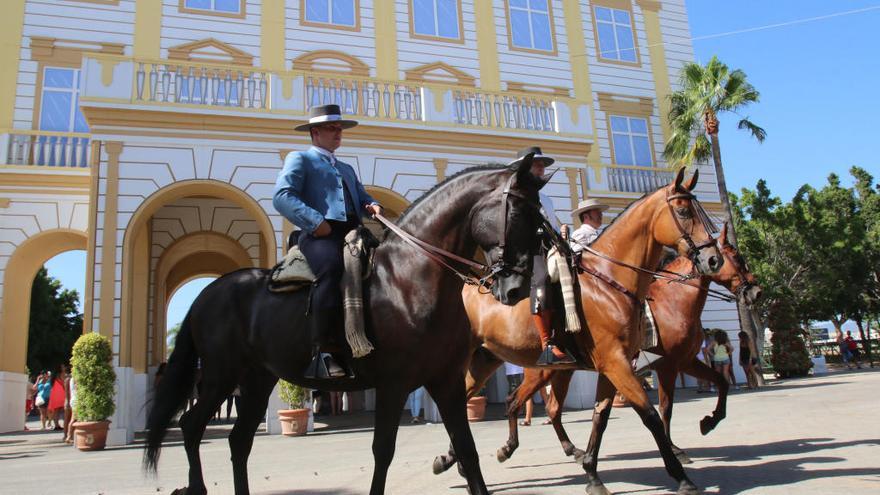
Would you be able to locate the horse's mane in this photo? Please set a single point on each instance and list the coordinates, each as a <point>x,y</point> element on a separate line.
<point>623,213</point>
<point>453,177</point>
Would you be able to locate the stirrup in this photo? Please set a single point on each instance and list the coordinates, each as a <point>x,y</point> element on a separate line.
<point>547,358</point>
<point>324,367</point>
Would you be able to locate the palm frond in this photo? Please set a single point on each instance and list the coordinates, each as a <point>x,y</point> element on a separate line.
<point>757,132</point>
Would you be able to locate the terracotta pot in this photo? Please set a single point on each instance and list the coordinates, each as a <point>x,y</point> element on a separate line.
<point>90,435</point>
<point>294,422</point>
<point>476,408</point>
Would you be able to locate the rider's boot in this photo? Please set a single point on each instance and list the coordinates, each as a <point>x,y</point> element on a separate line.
<point>323,366</point>
<point>551,353</point>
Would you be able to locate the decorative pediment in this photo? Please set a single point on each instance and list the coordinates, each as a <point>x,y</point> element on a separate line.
<point>210,50</point>
<point>439,72</point>
<point>331,61</point>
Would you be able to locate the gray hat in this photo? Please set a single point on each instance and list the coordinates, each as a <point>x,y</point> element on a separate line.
<point>588,204</point>
<point>538,155</point>
<point>325,114</point>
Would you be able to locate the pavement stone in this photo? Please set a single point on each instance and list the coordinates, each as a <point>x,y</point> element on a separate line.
<point>801,436</point>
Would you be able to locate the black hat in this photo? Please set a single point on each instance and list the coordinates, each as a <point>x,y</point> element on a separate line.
<point>325,114</point>
<point>548,160</point>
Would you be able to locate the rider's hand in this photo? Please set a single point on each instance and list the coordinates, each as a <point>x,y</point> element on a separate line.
<point>563,231</point>
<point>323,230</point>
<point>374,209</point>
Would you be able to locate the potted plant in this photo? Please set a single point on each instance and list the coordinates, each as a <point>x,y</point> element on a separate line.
<point>294,421</point>
<point>476,406</point>
<point>94,380</point>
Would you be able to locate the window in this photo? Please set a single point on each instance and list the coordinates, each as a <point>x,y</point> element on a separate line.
<point>615,32</point>
<point>631,141</point>
<point>218,6</point>
<point>340,13</point>
<point>530,25</point>
<point>59,103</point>
<point>436,18</point>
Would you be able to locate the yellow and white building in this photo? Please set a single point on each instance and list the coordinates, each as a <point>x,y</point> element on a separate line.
<point>149,133</point>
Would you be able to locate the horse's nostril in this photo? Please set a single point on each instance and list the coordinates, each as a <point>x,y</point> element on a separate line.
<point>713,262</point>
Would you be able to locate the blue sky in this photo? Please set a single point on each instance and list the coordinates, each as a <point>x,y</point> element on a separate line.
<point>818,85</point>
<point>819,100</point>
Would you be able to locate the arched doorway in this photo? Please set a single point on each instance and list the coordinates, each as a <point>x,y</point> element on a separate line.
<point>18,279</point>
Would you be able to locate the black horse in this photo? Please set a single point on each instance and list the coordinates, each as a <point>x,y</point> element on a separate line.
<point>241,334</point>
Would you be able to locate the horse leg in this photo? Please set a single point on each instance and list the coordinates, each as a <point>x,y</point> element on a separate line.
<point>532,381</point>
<point>389,405</point>
<point>559,381</point>
<point>701,370</point>
<point>483,364</point>
<point>255,392</point>
<point>215,389</point>
<point>621,375</point>
<point>667,375</point>
<point>604,396</point>
<point>451,402</point>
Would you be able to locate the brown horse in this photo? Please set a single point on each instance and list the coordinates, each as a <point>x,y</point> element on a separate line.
<point>666,217</point>
<point>676,309</point>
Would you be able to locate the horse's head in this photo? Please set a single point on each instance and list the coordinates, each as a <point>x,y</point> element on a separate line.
<point>504,223</point>
<point>685,226</point>
<point>735,275</point>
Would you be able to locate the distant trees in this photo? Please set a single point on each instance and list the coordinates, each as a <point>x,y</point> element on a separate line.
<point>55,323</point>
<point>818,253</point>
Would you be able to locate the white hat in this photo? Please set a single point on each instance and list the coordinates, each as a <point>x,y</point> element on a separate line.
<point>588,204</point>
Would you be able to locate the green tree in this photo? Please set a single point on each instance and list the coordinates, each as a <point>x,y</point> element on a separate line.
<point>707,92</point>
<point>55,323</point>
<point>171,338</point>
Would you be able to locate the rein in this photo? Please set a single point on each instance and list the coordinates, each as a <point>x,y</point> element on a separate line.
<point>439,255</point>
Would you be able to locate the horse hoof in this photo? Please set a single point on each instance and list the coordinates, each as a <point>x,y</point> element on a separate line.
<point>706,425</point>
<point>440,465</point>
<point>597,488</point>
<point>502,455</point>
<point>687,488</point>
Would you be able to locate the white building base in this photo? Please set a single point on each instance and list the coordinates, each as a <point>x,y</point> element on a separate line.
<point>582,391</point>
<point>12,398</point>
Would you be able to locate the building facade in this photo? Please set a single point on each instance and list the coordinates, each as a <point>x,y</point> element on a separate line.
<point>149,133</point>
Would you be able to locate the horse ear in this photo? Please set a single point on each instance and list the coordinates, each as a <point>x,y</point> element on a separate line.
<point>723,236</point>
<point>678,178</point>
<point>693,182</point>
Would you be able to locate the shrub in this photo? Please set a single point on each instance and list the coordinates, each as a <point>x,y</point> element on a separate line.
<point>292,395</point>
<point>94,377</point>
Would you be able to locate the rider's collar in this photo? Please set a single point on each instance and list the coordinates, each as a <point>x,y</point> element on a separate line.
<point>328,154</point>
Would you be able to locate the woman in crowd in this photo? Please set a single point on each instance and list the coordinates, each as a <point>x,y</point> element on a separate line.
<point>721,352</point>
<point>41,399</point>
<point>58,398</point>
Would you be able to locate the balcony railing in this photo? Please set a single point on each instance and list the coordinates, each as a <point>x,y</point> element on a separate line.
<point>622,178</point>
<point>111,78</point>
<point>47,149</point>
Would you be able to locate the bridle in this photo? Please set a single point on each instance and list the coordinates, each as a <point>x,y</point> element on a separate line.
<point>693,248</point>
<point>500,266</point>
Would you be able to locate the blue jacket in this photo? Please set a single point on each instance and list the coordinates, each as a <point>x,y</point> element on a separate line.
<point>309,190</point>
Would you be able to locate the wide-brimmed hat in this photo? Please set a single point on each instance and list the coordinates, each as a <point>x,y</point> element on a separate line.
<point>325,114</point>
<point>547,159</point>
<point>588,204</point>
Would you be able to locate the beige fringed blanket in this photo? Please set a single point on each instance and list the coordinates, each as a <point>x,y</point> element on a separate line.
<point>558,270</point>
<point>353,295</point>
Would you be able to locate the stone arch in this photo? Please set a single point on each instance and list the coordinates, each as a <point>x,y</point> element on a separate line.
<point>18,279</point>
<point>133,336</point>
<point>191,256</point>
<point>331,61</point>
<point>392,201</point>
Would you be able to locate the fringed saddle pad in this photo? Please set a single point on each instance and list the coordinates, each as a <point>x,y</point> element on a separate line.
<point>649,335</point>
<point>356,254</point>
<point>293,273</point>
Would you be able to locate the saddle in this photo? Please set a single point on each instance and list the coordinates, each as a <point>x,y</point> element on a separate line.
<point>293,273</point>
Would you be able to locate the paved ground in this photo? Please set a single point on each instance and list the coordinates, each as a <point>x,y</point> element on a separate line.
<point>806,436</point>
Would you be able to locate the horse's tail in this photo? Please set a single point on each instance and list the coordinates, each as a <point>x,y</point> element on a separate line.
<point>172,392</point>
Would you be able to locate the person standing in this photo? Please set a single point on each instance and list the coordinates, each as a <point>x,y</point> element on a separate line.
<point>721,352</point>
<point>322,196</point>
<point>57,398</point>
<point>853,349</point>
<point>41,399</point>
<point>746,359</point>
<point>415,408</point>
<point>71,398</point>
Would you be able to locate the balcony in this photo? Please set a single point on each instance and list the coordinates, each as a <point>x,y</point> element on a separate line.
<point>253,91</point>
<point>45,149</point>
<point>628,178</point>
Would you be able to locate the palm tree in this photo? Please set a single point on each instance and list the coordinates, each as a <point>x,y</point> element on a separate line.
<point>693,117</point>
